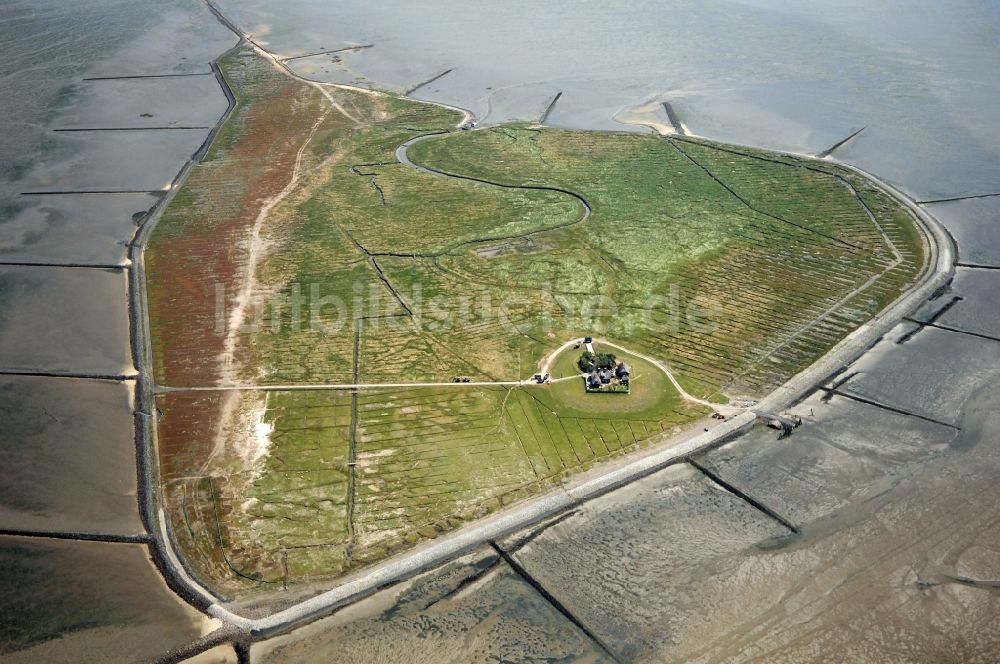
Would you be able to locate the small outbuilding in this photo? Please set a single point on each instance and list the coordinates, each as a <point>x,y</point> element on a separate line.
<point>593,381</point>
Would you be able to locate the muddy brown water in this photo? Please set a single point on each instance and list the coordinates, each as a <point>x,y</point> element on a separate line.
<point>898,554</point>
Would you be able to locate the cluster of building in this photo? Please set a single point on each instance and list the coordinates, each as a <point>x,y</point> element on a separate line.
<point>609,379</point>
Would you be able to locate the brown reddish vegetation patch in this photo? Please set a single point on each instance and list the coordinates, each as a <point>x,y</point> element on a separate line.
<point>184,440</point>
<point>185,429</point>
<point>200,244</point>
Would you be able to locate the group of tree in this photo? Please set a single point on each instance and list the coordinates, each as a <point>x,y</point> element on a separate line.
<point>590,361</point>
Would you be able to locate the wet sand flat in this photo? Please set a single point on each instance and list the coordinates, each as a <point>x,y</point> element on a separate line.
<point>647,563</point>
<point>88,601</point>
<point>473,610</point>
<point>69,462</point>
<point>975,225</point>
<point>80,230</point>
<point>121,161</point>
<point>129,103</point>
<point>844,453</point>
<point>64,321</point>
<point>932,374</point>
<point>224,654</point>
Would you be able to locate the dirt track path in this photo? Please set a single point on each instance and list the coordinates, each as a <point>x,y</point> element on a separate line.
<point>544,367</point>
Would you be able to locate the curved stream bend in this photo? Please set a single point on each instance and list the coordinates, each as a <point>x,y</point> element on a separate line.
<point>404,158</point>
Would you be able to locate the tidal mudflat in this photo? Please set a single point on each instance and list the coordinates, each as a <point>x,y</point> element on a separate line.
<point>849,454</point>
<point>72,229</point>
<point>154,102</point>
<point>52,47</point>
<point>650,547</point>
<point>69,443</point>
<point>52,478</point>
<point>474,609</point>
<point>968,305</point>
<point>941,369</point>
<point>113,162</point>
<point>52,333</point>
<point>88,601</point>
<point>975,225</point>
